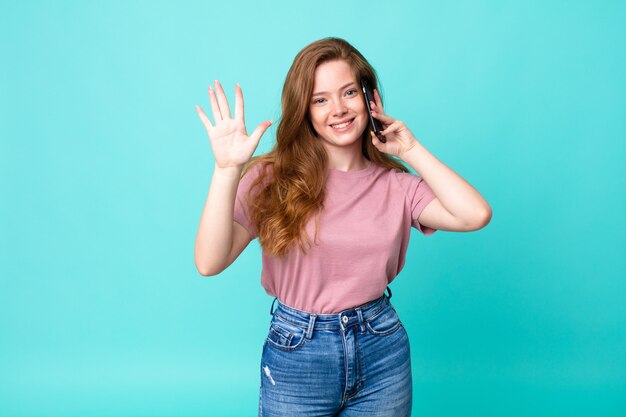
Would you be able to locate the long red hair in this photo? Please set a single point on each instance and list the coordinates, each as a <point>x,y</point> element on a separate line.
<point>298,162</point>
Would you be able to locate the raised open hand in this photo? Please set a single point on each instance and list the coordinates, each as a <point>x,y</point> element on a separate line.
<point>231,145</point>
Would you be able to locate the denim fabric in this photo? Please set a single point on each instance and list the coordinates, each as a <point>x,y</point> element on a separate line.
<point>352,363</point>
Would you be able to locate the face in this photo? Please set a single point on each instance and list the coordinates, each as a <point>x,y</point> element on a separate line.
<point>337,108</point>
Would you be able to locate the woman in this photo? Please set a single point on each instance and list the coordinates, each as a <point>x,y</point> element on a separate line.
<point>332,207</point>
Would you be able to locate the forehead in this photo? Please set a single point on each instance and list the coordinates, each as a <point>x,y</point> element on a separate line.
<point>331,75</point>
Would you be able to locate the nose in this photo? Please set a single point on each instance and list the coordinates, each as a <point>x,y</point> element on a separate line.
<point>339,107</point>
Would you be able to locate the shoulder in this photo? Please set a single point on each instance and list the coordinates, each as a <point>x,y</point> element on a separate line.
<point>407,181</point>
<point>256,167</point>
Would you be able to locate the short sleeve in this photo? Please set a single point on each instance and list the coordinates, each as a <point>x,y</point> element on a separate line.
<point>419,195</point>
<point>242,208</point>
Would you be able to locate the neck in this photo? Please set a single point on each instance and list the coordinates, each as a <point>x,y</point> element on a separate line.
<point>343,159</point>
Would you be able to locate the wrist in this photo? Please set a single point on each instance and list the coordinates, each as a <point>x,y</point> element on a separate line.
<point>404,153</point>
<point>229,171</point>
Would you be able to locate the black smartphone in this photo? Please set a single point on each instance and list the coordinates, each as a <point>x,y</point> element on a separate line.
<point>375,124</point>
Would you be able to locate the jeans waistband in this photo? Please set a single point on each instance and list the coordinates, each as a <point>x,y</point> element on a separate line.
<point>341,320</point>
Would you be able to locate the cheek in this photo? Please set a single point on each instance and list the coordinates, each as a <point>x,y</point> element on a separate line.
<point>317,117</point>
<point>360,109</point>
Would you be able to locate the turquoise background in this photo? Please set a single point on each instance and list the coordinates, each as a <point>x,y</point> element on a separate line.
<point>105,167</point>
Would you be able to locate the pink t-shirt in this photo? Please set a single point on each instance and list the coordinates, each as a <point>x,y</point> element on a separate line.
<point>363,236</point>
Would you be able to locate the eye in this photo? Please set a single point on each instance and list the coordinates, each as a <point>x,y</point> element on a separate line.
<point>351,92</point>
<point>318,100</point>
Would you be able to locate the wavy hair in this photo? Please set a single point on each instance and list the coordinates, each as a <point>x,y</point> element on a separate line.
<point>298,162</point>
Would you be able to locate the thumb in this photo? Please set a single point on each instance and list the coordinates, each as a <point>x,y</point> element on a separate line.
<point>375,141</point>
<point>260,129</point>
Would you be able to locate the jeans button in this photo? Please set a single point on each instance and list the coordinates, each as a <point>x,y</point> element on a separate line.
<point>344,319</point>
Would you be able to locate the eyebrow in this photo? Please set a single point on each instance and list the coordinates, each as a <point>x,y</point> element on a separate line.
<point>340,88</point>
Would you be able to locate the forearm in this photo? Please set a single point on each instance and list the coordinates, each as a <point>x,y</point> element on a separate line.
<point>455,194</point>
<point>214,239</point>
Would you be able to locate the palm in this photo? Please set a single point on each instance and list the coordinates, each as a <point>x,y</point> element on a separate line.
<point>393,145</point>
<point>230,143</point>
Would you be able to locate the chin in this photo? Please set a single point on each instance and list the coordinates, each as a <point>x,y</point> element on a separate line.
<point>342,140</point>
<point>346,138</point>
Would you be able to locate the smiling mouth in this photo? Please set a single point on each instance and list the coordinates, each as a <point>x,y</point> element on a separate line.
<point>344,125</point>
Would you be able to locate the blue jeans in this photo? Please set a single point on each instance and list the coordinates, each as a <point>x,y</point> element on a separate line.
<point>352,363</point>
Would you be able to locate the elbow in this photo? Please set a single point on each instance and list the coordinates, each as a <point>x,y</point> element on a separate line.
<point>204,272</point>
<point>477,221</point>
<point>206,265</point>
<point>207,270</point>
<point>482,219</point>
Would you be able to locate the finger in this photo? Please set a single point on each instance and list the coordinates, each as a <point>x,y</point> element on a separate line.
<point>395,126</point>
<point>221,99</point>
<point>382,117</point>
<point>379,102</point>
<point>205,120</point>
<point>217,114</point>
<point>260,129</point>
<point>238,103</point>
<point>375,141</point>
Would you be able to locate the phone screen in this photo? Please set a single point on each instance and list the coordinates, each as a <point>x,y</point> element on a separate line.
<point>375,124</point>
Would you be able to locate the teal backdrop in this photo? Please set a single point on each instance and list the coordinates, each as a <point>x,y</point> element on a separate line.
<point>105,168</point>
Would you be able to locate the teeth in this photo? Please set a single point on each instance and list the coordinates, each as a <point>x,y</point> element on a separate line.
<point>342,125</point>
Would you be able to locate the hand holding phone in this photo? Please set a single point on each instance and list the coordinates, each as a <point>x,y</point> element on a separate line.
<point>375,124</point>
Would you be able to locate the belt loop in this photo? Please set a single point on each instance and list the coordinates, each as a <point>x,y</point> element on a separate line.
<point>389,291</point>
<point>359,314</point>
<point>272,307</point>
<point>309,330</point>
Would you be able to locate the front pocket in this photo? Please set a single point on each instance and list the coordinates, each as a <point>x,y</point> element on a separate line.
<point>384,323</point>
<point>285,336</point>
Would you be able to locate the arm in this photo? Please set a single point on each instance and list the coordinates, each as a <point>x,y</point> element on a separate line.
<point>219,239</point>
<point>458,206</point>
